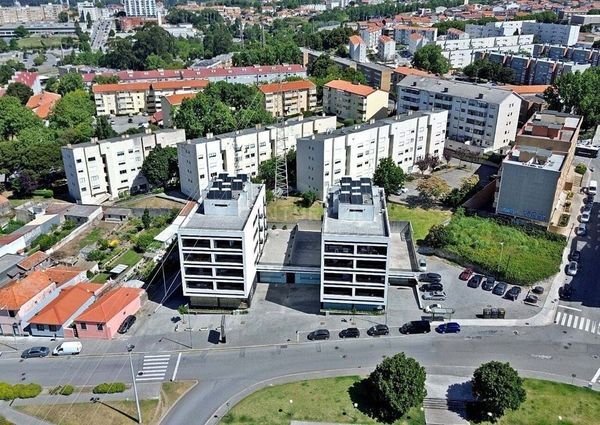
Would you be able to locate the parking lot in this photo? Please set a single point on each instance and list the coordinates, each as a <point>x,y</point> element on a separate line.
<point>122,124</point>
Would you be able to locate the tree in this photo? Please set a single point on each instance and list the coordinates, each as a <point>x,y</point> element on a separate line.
<point>423,164</point>
<point>160,166</point>
<point>447,156</point>
<point>3,46</point>
<point>308,198</point>
<point>498,387</point>
<point>266,173</point>
<point>438,236</point>
<point>88,19</point>
<point>15,117</point>
<point>396,385</point>
<point>389,176</point>
<point>106,79</point>
<point>20,91</point>
<point>146,219</point>
<point>73,117</point>
<point>63,17</point>
<point>39,60</point>
<point>23,184</point>
<point>21,32</point>
<point>103,129</point>
<point>434,162</point>
<point>432,188</point>
<point>430,58</point>
<point>492,71</point>
<point>70,82</point>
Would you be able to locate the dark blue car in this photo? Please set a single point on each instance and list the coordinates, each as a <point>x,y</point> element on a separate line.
<point>448,328</point>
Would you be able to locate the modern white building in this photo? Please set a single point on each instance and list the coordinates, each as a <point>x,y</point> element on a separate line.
<point>100,171</point>
<point>402,33</point>
<point>355,247</point>
<point>357,49</point>
<point>88,8</point>
<point>566,35</point>
<point>370,34</point>
<point>483,117</point>
<point>140,7</point>
<point>322,160</point>
<point>242,151</point>
<point>386,48</point>
<point>220,242</point>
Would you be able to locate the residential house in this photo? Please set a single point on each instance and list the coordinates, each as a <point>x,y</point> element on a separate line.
<point>289,97</point>
<point>354,101</point>
<point>43,103</point>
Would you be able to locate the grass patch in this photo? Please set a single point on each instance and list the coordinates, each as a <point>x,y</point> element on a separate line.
<point>100,278</point>
<point>130,258</point>
<point>291,210</point>
<point>527,256</point>
<point>546,401</point>
<point>35,42</point>
<point>152,202</point>
<point>94,236</point>
<point>11,226</point>
<point>319,400</point>
<point>421,219</point>
<point>171,391</point>
<point>4,421</point>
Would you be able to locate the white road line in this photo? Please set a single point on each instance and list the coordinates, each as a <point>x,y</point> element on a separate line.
<point>596,376</point>
<point>155,362</point>
<point>570,308</point>
<point>564,319</point>
<point>152,374</point>
<point>582,323</point>
<point>149,379</point>
<point>593,328</point>
<point>575,320</point>
<point>157,357</point>
<point>154,367</point>
<point>558,314</point>
<point>570,320</point>
<point>176,367</point>
<point>588,322</point>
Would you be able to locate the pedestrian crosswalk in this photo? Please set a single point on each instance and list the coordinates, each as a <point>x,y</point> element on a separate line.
<point>577,322</point>
<point>154,367</point>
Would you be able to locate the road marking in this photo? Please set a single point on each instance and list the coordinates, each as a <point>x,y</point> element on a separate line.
<point>558,314</point>
<point>593,329</point>
<point>154,367</point>
<point>157,356</point>
<point>596,376</point>
<point>575,320</point>
<point>569,308</point>
<point>588,322</point>
<point>582,323</point>
<point>564,320</point>
<point>176,367</point>
<point>569,321</point>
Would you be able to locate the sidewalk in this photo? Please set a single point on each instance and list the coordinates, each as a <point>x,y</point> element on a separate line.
<point>17,417</point>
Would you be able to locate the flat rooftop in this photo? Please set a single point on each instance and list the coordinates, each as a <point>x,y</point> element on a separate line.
<point>527,156</point>
<point>299,246</point>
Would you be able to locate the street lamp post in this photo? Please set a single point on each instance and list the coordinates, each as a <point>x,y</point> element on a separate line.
<point>130,348</point>
<point>501,255</point>
<point>187,307</point>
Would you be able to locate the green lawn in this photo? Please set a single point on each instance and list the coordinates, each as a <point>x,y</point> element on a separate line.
<point>34,42</point>
<point>421,219</point>
<point>546,401</point>
<point>516,254</point>
<point>130,258</point>
<point>94,236</point>
<point>101,278</point>
<point>290,210</point>
<point>319,400</point>
<point>4,421</point>
<point>11,227</point>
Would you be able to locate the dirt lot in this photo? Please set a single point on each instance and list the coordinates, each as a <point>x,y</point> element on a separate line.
<point>151,202</point>
<point>93,234</point>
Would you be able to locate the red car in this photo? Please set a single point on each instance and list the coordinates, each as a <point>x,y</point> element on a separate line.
<point>466,274</point>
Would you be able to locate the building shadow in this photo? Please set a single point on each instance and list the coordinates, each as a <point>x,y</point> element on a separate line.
<point>458,397</point>
<point>300,297</point>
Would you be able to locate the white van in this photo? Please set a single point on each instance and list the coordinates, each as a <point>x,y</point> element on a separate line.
<point>67,348</point>
<point>592,188</point>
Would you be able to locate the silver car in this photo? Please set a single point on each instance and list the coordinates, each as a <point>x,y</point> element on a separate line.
<point>572,268</point>
<point>435,295</point>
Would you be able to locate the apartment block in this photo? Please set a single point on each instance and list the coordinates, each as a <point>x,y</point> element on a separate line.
<point>100,171</point>
<point>160,89</point>
<point>140,7</point>
<point>534,177</point>
<point>402,34</point>
<point>170,104</point>
<point>357,49</point>
<point>22,14</point>
<point>386,48</point>
<point>355,247</point>
<point>370,34</point>
<point>289,97</point>
<point>354,101</point>
<point>88,8</point>
<point>239,152</point>
<point>220,242</point>
<point>322,160</point>
<point>566,35</point>
<point>483,117</point>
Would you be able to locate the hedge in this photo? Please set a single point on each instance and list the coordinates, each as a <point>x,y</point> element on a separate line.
<point>46,193</point>
<point>109,388</point>
<point>10,392</point>
<point>63,390</point>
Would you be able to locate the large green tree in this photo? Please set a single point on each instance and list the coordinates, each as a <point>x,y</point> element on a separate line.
<point>160,166</point>
<point>14,117</point>
<point>20,91</point>
<point>497,387</point>
<point>73,117</point>
<point>492,71</point>
<point>70,82</point>
<point>396,385</point>
<point>389,176</point>
<point>430,58</point>
<point>103,129</point>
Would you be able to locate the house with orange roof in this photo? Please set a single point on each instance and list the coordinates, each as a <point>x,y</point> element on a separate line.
<point>357,48</point>
<point>102,319</point>
<point>43,103</point>
<point>355,102</point>
<point>370,33</point>
<point>289,97</point>
<point>56,317</point>
<point>169,105</point>
<point>35,261</point>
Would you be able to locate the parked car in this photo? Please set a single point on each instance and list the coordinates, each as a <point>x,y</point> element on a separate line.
<point>565,292</point>
<point>434,296</point>
<point>448,328</point>
<point>513,293</point>
<point>538,290</point>
<point>319,334</point>
<point>67,348</point>
<point>532,299</point>
<point>475,281</point>
<point>428,308</point>
<point>585,216</point>
<point>129,120</point>
<point>416,327</point>
<point>350,333</point>
<point>581,229</point>
<point>35,352</point>
<point>127,323</point>
<point>430,277</point>
<point>429,287</point>
<point>422,265</point>
<point>572,268</point>
<point>587,207</point>
<point>488,283</point>
<point>466,274</point>
<point>378,330</point>
<point>499,289</point>
<point>575,255</point>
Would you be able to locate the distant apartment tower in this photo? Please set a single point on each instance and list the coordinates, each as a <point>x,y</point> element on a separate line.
<point>220,242</point>
<point>355,247</point>
<point>100,171</point>
<point>140,7</point>
<point>24,14</point>
<point>88,8</point>
<point>357,49</point>
<point>386,48</point>
<point>566,35</point>
<point>370,33</point>
<point>356,102</point>
<point>323,159</point>
<point>402,34</point>
<point>483,117</point>
<point>289,97</point>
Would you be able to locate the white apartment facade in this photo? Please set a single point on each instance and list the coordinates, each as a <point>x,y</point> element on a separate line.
<point>289,97</point>
<point>370,34</point>
<point>386,48</point>
<point>140,7</point>
<point>355,247</point>
<point>546,33</point>
<point>86,8</point>
<point>322,160</point>
<point>357,102</point>
<point>357,49</point>
<point>23,14</point>
<point>220,242</point>
<point>402,34</point>
<point>239,152</point>
<point>483,117</point>
<point>99,171</point>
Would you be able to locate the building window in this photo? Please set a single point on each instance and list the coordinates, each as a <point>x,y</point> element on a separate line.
<point>83,326</point>
<point>53,328</point>
<point>100,326</point>
<point>39,327</point>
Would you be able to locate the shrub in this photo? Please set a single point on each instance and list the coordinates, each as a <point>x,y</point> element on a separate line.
<point>46,193</point>
<point>498,387</point>
<point>6,391</point>
<point>580,169</point>
<point>308,198</point>
<point>10,392</point>
<point>96,255</point>
<point>109,388</point>
<point>67,390</point>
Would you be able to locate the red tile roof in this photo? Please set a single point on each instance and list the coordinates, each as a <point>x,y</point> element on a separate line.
<point>62,275</point>
<point>109,305</point>
<point>176,99</point>
<point>110,88</point>
<point>179,84</point>
<point>405,70</point>
<point>533,89</point>
<point>60,309</point>
<point>25,77</point>
<point>43,103</point>
<point>4,200</point>
<point>356,39</point>
<point>359,89</point>
<point>385,39</point>
<point>287,86</point>
<point>33,260</point>
<point>17,292</point>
